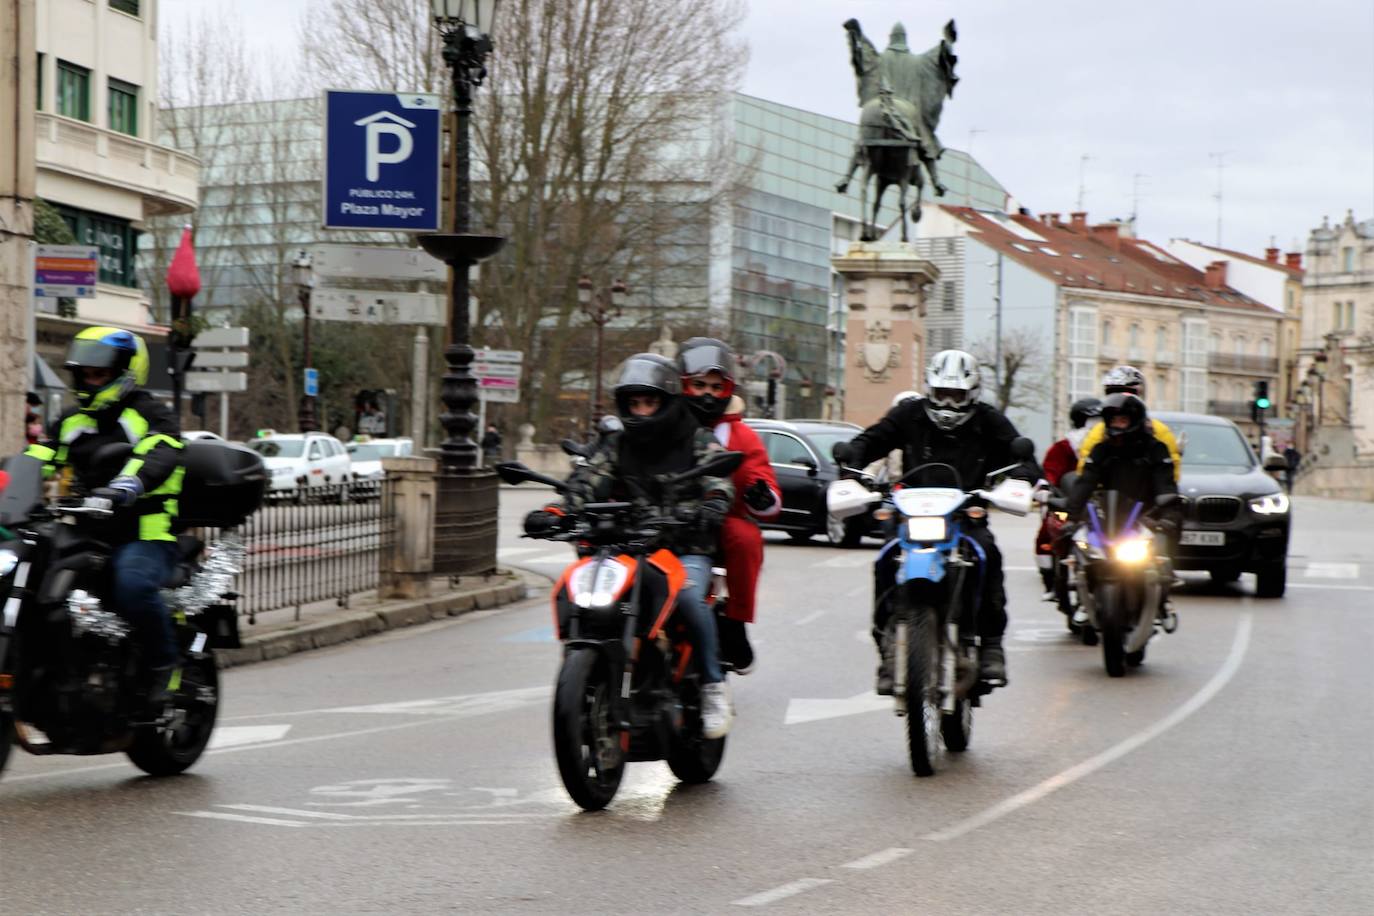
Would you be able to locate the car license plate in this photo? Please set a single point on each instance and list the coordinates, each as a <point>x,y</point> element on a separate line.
<point>1202,539</point>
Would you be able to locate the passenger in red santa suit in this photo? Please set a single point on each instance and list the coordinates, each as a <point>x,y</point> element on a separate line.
<point>708,384</point>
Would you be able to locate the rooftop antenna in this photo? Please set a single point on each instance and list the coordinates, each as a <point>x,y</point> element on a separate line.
<point>1135,196</point>
<point>968,165</point>
<point>1082,173</point>
<point>1220,160</point>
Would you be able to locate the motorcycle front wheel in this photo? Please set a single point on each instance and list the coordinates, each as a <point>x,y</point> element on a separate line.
<point>922,691</point>
<point>165,750</point>
<point>1109,613</point>
<point>590,760</point>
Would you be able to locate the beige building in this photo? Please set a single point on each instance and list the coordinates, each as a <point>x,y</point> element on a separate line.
<point>98,164</point>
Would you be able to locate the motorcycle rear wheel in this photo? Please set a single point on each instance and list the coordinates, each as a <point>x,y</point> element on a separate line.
<point>590,759</point>
<point>923,703</point>
<point>695,759</point>
<point>6,738</point>
<point>1109,613</point>
<point>166,751</point>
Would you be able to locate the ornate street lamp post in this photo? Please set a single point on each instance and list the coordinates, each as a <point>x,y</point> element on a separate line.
<point>465,520</point>
<point>777,369</point>
<point>303,275</point>
<point>601,309</point>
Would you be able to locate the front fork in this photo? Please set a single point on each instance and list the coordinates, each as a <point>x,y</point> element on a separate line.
<point>949,685</point>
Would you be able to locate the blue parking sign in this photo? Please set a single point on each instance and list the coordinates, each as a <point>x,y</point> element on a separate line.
<point>312,383</point>
<point>381,161</point>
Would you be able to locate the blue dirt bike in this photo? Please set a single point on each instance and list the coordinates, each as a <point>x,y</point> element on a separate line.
<point>938,583</point>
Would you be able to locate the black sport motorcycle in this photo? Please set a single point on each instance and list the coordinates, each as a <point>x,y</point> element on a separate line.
<point>71,677</point>
<point>627,689</point>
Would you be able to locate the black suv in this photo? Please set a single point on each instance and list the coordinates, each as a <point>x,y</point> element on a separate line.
<point>799,451</point>
<point>1237,518</point>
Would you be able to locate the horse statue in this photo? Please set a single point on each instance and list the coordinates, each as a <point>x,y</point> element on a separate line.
<point>901,96</point>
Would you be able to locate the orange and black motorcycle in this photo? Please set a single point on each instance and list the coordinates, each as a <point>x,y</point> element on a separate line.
<point>628,689</point>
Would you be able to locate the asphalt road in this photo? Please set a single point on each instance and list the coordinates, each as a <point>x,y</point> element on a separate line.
<point>1233,773</point>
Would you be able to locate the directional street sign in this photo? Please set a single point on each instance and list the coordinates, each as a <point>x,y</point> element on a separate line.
<point>381,152</point>
<point>371,307</point>
<point>351,262</point>
<point>485,355</point>
<point>68,271</point>
<point>217,381</point>
<point>221,337</point>
<point>312,383</point>
<point>496,370</point>
<point>221,359</point>
<point>499,395</point>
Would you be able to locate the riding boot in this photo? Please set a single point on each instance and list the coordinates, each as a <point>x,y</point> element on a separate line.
<point>883,685</point>
<point>992,662</point>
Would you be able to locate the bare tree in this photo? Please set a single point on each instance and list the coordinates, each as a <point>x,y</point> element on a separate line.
<point>601,151</point>
<point>1023,381</point>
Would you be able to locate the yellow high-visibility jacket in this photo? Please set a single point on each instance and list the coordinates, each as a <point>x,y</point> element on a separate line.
<point>1157,427</point>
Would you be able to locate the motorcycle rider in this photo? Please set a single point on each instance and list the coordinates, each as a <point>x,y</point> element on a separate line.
<point>952,426</point>
<point>1130,380</point>
<point>662,436</point>
<point>708,381</point>
<point>109,367</point>
<point>1060,459</point>
<point>1135,463</point>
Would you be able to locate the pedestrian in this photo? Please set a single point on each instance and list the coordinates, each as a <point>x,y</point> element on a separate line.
<point>1293,457</point>
<point>491,445</point>
<point>33,420</point>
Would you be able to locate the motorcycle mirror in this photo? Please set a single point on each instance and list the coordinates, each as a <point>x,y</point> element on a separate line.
<point>1167,500</point>
<point>609,424</point>
<point>513,472</point>
<point>1021,447</point>
<point>574,449</point>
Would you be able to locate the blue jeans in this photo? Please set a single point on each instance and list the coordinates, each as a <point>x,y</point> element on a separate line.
<point>701,622</point>
<point>140,569</point>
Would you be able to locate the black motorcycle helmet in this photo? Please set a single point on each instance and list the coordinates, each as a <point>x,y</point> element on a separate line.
<point>698,356</point>
<point>1083,410</point>
<point>1115,406</point>
<point>648,373</point>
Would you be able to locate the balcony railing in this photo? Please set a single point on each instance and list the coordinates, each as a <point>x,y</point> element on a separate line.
<point>1243,362</point>
<point>1164,357</point>
<point>1229,409</point>
<point>168,180</point>
<point>1109,352</point>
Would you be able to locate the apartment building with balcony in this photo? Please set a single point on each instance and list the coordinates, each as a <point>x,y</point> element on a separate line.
<point>1089,297</point>
<point>99,163</point>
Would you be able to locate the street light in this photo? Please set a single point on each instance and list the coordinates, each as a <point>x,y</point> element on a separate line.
<point>465,518</point>
<point>601,309</point>
<point>777,368</point>
<point>303,275</point>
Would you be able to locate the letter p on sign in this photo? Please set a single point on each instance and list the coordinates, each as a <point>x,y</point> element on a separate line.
<point>381,124</point>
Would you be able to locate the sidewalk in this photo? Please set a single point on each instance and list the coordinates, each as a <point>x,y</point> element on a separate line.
<point>279,633</point>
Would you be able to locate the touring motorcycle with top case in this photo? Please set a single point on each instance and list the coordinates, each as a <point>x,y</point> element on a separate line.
<point>71,676</point>
<point>628,689</point>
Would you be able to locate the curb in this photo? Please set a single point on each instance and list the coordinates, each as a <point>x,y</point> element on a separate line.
<point>347,626</point>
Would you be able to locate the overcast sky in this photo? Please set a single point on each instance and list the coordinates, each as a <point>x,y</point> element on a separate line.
<point>1284,90</point>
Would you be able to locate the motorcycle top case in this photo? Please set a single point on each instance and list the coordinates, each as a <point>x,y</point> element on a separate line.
<point>224,485</point>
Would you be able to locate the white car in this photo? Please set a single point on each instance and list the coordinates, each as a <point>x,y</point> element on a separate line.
<point>303,460</point>
<point>367,454</point>
<point>192,435</point>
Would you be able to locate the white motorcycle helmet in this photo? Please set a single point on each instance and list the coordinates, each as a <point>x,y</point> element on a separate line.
<point>953,384</point>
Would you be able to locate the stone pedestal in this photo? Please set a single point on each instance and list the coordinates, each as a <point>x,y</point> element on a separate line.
<point>408,500</point>
<point>885,352</point>
<point>465,524</point>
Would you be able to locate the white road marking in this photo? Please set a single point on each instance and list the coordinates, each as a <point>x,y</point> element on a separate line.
<point>1332,571</point>
<point>461,705</point>
<point>882,857</point>
<point>1020,569</point>
<point>293,812</point>
<point>234,735</point>
<point>1115,752</point>
<point>242,818</point>
<point>1334,588</point>
<point>809,618</point>
<point>847,561</point>
<point>783,892</point>
<point>814,710</point>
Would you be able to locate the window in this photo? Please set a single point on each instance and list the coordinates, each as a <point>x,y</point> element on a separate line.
<point>1135,336</point>
<point>1214,343</point>
<point>1161,340</point>
<point>788,450</point>
<point>1289,308</point>
<point>1238,345</point>
<point>314,454</point>
<point>125,6</point>
<point>123,109</point>
<point>1195,390</point>
<point>73,91</point>
<point>1337,313</point>
<point>1106,332</point>
<point>1083,332</point>
<point>1350,316</point>
<point>1347,259</point>
<point>38,102</point>
<point>1195,342</point>
<point>1082,379</point>
<point>116,239</point>
<point>1266,347</point>
<point>1159,397</point>
<point>947,296</point>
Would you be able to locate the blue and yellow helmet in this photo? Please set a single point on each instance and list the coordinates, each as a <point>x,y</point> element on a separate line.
<point>122,352</point>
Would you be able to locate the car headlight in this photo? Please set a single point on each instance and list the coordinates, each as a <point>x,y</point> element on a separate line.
<point>926,528</point>
<point>1273,504</point>
<point>1133,551</point>
<point>8,560</point>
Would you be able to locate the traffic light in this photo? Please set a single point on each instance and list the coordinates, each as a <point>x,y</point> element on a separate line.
<point>1261,402</point>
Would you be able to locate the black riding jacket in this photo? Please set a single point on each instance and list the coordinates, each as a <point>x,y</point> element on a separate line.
<point>1140,468</point>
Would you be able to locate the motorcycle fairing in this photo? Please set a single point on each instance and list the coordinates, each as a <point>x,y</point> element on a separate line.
<point>927,561</point>
<point>561,596</point>
<point>666,562</point>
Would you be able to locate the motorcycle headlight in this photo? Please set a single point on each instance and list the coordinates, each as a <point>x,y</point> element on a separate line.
<point>1133,551</point>
<point>926,528</point>
<point>598,584</point>
<point>8,560</point>
<point>1273,504</point>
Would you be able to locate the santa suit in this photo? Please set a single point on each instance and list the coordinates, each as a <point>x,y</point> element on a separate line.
<point>1061,458</point>
<point>741,542</point>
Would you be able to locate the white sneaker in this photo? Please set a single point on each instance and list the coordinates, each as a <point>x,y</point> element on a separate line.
<point>717,712</point>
